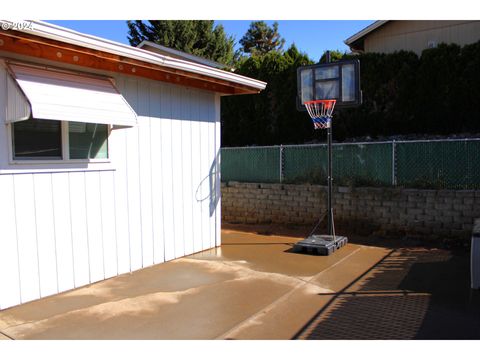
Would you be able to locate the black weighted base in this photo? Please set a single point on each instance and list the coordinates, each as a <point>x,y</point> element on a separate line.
<point>320,244</point>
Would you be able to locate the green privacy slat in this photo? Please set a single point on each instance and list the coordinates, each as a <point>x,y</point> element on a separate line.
<point>448,164</point>
<point>360,164</point>
<point>439,164</point>
<point>302,164</point>
<point>260,164</point>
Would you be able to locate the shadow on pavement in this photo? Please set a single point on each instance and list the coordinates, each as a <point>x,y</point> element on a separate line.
<point>412,293</point>
<point>420,290</point>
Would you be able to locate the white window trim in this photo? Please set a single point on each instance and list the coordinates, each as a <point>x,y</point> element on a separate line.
<point>65,150</point>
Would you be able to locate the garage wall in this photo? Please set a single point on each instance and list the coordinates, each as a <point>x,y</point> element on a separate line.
<point>67,225</point>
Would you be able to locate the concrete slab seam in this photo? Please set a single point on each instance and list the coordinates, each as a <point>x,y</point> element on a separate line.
<point>283,297</point>
<point>7,336</point>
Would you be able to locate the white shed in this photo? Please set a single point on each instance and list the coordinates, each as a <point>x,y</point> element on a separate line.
<point>109,159</point>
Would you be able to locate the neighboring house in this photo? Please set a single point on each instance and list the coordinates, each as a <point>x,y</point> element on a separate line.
<point>388,36</point>
<point>109,159</point>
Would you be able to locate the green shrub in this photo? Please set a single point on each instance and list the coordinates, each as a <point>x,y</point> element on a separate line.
<point>436,93</point>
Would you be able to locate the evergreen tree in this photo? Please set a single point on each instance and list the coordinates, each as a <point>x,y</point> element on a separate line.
<point>196,37</point>
<point>261,38</point>
<point>270,117</point>
<point>335,55</point>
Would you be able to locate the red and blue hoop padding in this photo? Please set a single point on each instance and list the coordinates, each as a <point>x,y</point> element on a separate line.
<point>322,122</point>
<point>321,112</point>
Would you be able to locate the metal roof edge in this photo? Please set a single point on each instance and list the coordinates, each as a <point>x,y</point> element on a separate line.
<point>55,32</point>
<point>365,31</point>
<point>193,58</point>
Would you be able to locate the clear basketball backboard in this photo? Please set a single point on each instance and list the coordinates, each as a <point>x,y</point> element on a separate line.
<point>338,81</point>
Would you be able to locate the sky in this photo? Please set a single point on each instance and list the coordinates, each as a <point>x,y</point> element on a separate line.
<point>310,36</point>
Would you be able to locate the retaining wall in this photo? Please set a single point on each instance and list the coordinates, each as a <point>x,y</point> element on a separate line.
<point>436,214</point>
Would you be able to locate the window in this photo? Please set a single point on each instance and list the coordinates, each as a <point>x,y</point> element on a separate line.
<point>37,139</point>
<point>87,141</point>
<point>34,139</point>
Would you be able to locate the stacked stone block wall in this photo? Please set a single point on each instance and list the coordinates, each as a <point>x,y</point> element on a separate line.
<point>362,210</point>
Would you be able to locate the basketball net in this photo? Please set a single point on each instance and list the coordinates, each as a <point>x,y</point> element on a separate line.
<point>321,112</point>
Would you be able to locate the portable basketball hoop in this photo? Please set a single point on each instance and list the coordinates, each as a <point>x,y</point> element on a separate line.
<point>321,112</point>
<point>321,87</point>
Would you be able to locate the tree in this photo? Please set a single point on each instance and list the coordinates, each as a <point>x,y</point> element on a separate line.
<point>261,38</point>
<point>335,55</point>
<point>196,37</point>
<point>270,117</point>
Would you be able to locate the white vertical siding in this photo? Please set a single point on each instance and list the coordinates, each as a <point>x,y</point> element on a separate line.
<point>218,196</point>
<point>157,174</point>
<point>205,163</point>
<point>211,170</point>
<point>78,216</point>
<point>167,171</point>
<point>177,173</point>
<point>133,176</point>
<point>93,207</point>
<point>9,267</point>
<point>109,233</point>
<point>187,183</point>
<point>64,228</point>
<point>122,223</point>
<point>145,174</point>
<point>27,237</point>
<point>196,175</point>
<point>45,229</point>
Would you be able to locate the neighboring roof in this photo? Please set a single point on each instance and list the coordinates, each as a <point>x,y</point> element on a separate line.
<point>355,42</point>
<point>146,60</point>
<point>163,50</point>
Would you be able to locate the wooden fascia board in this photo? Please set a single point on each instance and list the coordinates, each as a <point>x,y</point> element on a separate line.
<point>32,45</point>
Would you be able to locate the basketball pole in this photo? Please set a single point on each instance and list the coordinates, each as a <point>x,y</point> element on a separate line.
<point>330,181</point>
<point>319,98</point>
<point>329,169</point>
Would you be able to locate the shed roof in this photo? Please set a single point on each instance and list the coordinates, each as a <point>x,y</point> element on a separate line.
<point>52,42</point>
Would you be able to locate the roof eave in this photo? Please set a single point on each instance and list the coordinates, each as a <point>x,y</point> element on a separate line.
<point>72,37</point>
<point>145,43</point>
<point>365,31</point>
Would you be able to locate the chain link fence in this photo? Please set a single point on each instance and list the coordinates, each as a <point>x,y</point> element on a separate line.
<point>353,164</point>
<point>431,164</point>
<point>447,164</point>
<point>251,164</point>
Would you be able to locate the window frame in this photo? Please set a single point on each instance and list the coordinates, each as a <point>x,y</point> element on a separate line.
<point>65,144</point>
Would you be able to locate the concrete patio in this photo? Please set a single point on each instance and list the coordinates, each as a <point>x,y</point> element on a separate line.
<point>254,287</point>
